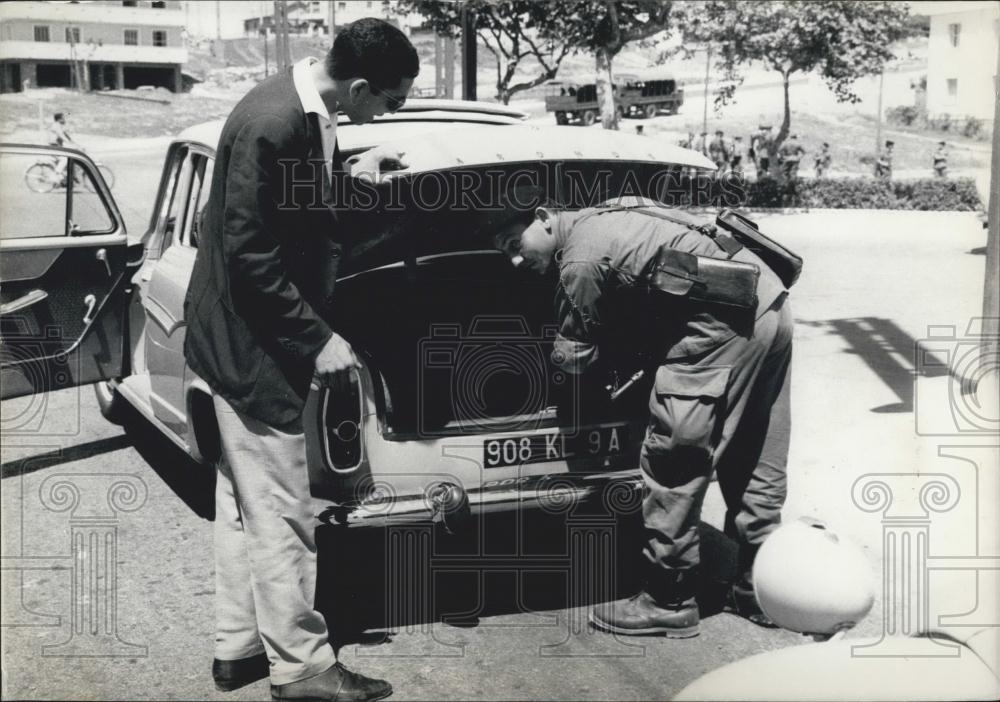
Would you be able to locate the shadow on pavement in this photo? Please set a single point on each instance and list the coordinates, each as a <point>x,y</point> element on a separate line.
<point>888,351</point>
<point>30,464</point>
<point>379,580</point>
<point>190,481</point>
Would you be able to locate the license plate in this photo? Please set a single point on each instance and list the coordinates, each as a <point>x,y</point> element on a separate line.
<point>554,446</point>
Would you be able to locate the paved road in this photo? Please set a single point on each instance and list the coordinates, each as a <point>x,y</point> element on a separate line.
<point>874,282</point>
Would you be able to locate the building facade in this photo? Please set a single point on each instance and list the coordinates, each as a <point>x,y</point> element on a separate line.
<point>313,16</point>
<point>107,45</point>
<point>962,51</point>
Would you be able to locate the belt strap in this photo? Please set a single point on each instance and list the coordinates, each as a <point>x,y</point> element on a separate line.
<point>723,240</point>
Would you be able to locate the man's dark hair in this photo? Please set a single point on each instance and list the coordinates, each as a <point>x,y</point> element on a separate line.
<point>374,50</point>
<point>57,116</point>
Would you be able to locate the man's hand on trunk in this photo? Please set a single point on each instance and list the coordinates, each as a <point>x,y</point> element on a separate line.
<point>335,362</point>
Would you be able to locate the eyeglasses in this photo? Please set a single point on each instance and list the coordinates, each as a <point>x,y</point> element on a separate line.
<point>392,102</point>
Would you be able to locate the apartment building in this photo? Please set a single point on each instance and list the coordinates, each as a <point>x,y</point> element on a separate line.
<point>111,45</point>
<point>962,58</point>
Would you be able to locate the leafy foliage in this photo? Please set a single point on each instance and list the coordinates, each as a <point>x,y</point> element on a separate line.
<point>508,28</point>
<point>842,41</point>
<point>917,117</point>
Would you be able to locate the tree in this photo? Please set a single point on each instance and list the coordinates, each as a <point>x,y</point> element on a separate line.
<point>79,56</point>
<point>605,27</point>
<point>841,40</point>
<point>508,28</point>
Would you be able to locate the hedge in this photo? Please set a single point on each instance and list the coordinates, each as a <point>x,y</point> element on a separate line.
<point>866,193</point>
<point>838,193</point>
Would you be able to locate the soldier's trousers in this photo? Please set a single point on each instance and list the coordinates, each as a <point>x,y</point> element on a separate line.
<point>727,411</point>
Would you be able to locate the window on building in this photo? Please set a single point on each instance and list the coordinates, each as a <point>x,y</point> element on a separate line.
<point>129,3</point>
<point>954,31</point>
<point>369,5</point>
<point>341,5</point>
<point>158,5</point>
<point>72,35</point>
<point>41,33</point>
<point>131,37</point>
<point>953,87</point>
<point>159,37</point>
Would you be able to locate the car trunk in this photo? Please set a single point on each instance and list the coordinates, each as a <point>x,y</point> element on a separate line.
<point>461,342</point>
<point>461,339</point>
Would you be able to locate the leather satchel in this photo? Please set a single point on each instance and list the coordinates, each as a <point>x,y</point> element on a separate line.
<point>786,264</point>
<point>705,279</point>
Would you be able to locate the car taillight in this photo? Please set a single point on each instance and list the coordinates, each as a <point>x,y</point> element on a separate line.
<point>342,426</point>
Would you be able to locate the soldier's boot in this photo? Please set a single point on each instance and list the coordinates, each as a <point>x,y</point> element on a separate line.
<point>666,607</point>
<point>742,598</point>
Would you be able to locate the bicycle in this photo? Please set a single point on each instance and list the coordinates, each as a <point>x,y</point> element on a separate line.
<point>43,177</point>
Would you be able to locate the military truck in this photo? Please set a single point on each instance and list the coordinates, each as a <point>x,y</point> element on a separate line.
<point>643,94</point>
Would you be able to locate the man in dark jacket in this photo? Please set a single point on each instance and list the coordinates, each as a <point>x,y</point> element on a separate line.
<point>720,397</point>
<point>260,292</point>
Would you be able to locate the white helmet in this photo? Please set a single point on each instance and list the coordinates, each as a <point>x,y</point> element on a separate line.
<point>808,580</point>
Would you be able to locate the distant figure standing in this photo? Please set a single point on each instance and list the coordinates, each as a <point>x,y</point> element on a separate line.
<point>718,150</point>
<point>941,160</point>
<point>790,155</point>
<point>762,149</point>
<point>736,155</point>
<point>701,145</point>
<point>823,160</point>
<point>639,131</point>
<point>883,165</point>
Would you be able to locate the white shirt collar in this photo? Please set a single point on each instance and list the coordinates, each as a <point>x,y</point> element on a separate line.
<point>306,89</point>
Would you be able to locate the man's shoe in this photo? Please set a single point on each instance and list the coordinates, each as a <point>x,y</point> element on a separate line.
<point>335,684</point>
<point>232,675</point>
<point>641,615</point>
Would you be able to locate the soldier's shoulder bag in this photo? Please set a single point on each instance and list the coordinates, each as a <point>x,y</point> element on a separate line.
<point>786,264</point>
<point>719,281</point>
<point>704,279</point>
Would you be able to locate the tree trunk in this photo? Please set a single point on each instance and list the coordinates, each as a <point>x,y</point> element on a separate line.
<point>605,91</point>
<point>786,121</point>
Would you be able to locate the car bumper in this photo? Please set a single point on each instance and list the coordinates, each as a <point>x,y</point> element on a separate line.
<point>620,492</point>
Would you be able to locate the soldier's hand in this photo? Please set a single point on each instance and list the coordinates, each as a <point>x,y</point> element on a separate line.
<point>334,363</point>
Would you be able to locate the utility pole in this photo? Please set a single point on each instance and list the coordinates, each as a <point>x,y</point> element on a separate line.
<point>282,50</point>
<point>708,66</point>
<point>444,67</point>
<point>878,118</point>
<point>218,19</point>
<point>468,53</point>
<point>333,20</point>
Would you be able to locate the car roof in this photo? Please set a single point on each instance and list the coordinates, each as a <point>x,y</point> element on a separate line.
<point>530,143</point>
<point>412,118</point>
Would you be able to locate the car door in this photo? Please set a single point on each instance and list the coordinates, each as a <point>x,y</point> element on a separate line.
<point>163,301</point>
<point>65,269</point>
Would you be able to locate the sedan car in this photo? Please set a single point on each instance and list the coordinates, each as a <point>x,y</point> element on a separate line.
<point>457,409</point>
